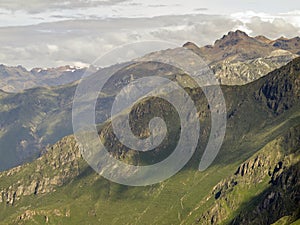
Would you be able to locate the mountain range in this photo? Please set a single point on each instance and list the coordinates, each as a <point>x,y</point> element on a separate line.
<point>253,180</point>
<point>255,177</point>
<point>236,59</point>
<point>40,116</point>
<point>18,78</point>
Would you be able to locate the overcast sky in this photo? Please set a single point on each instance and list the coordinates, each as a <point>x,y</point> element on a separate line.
<point>48,33</point>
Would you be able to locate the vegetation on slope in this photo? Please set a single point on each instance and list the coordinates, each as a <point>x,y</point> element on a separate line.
<point>263,129</point>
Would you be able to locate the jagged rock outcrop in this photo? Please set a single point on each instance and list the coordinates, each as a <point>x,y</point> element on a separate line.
<point>268,184</point>
<point>243,72</point>
<point>281,199</point>
<point>54,169</point>
<point>278,95</point>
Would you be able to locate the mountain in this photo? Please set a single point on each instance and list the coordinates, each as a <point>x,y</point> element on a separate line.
<point>263,190</point>
<point>41,116</point>
<point>238,59</point>
<point>292,45</point>
<point>236,46</point>
<point>37,117</point>
<point>254,178</point>
<point>31,120</point>
<point>16,79</point>
<point>263,39</point>
<point>239,46</point>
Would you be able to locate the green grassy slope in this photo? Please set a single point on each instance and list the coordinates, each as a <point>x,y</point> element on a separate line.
<point>263,119</point>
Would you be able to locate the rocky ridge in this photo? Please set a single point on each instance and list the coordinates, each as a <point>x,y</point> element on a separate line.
<point>268,184</point>
<point>53,170</point>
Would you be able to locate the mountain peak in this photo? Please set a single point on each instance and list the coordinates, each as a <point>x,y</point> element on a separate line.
<point>232,38</point>
<point>263,39</point>
<point>236,34</point>
<point>191,46</point>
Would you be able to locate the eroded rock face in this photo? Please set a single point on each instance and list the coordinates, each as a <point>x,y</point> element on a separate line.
<point>54,169</point>
<point>30,214</point>
<point>243,72</point>
<point>281,199</point>
<point>276,170</point>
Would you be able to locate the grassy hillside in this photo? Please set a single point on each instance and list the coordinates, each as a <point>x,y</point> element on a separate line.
<point>256,171</point>
<point>38,117</point>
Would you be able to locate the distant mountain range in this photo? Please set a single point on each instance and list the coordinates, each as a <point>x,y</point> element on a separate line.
<point>235,59</point>
<point>16,79</point>
<point>254,180</point>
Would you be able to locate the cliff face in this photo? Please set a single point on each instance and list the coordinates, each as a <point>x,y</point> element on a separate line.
<point>263,189</point>
<point>57,167</point>
<point>281,91</point>
<point>278,201</point>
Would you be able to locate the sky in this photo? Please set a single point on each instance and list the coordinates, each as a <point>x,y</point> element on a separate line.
<point>51,33</point>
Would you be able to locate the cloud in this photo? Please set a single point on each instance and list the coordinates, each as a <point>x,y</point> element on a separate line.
<point>292,17</point>
<point>54,44</point>
<point>36,6</point>
<point>201,29</point>
<point>77,42</point>
<point>277,28</point>
<point>52,48</point>
<point>273,26</point>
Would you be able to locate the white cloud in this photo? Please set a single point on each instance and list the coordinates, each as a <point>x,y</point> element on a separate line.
<point>277,28</point>
<point>37,6</point>
<point>80,42</point>
<point>70,42</point>
<point>292,17</point>
<point>246,17</point>
<point>52,48</point>
<point>273,26</point>
<point>15,12</point>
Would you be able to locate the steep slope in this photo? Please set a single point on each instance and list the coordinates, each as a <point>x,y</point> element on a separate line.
<point>30,120</point>
<point>243,72</point>
<point>42,116</point>
<point>262,138</point>
<point>263,189</point>
<point>263,39</point>
<point>35,118</point>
